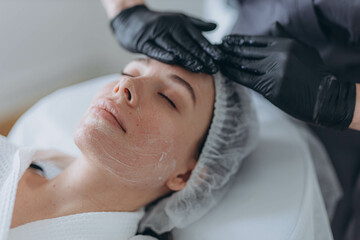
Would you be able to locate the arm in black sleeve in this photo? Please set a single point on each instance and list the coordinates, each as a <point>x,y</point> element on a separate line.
<point>340,19</point>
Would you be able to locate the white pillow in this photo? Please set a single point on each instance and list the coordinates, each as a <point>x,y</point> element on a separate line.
<point>274,196</point>
<point>50,123</point>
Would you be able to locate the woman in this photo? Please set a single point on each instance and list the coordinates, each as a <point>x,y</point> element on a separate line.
<point>140,141</point>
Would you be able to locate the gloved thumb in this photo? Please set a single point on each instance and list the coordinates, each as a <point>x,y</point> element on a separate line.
<point>203,26</point>
<point>277,30</point>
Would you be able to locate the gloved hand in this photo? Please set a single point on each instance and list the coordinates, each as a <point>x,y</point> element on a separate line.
<point>290,75</point>
<point>172,38</point>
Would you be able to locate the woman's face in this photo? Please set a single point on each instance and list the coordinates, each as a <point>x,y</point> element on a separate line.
<point>146,127</point>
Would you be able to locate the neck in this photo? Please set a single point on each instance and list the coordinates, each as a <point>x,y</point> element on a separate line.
<point>83,187</point>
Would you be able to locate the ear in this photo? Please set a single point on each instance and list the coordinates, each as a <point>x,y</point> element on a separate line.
<point>178,182</point>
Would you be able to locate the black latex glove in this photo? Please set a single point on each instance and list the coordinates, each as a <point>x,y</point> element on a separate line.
<point>290,75</point>
<point>172,38</point>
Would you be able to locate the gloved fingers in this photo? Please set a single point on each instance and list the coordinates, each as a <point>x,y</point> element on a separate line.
<point>261,48</point>
<point>154,51</point>
<point>212,50</point>
<point>255,62</point>
<point>244,58</point>
<point>202,25</point>
<point>241,77</point>
<point>243,40</point>
<point>182,56</point>
<point>242,64</point>
<point>254,53</point>
<point>185,40</point>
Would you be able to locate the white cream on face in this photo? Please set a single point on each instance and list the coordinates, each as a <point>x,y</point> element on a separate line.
<point>146,162</point>
<point>159,138</point>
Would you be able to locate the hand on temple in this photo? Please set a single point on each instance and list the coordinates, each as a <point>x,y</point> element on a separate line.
<point>172,38</point>
<point>290,75</point>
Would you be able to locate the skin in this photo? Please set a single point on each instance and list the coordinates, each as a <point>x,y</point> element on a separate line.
<point>355,124</point>
<point>114,7</point>
<point>126,170</point>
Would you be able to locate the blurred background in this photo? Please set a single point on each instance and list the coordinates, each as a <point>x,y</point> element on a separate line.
<point>49,44</point>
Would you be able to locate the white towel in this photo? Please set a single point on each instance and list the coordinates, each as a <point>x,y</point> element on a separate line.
<point>13,162</point>
<point>86,226</point>
<point>90,226</point>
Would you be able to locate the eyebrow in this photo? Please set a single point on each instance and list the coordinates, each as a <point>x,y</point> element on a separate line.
<point>180,80</point>
<point>173,77</point>
<point>143,60</point>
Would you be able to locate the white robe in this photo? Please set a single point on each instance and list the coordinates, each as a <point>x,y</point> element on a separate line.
<point>90,226</point>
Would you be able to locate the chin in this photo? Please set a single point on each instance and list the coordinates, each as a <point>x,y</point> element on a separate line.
<point>88,134</point>
<point>95,138</point>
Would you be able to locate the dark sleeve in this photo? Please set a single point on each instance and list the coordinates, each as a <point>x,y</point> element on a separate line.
<point>330,26</point>
<point>340,19</point>
<point>298,17</point>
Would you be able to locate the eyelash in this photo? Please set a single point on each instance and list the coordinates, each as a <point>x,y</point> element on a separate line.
<point>168,99</point>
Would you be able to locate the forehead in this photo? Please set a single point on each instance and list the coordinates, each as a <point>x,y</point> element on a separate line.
<point>203,84</point>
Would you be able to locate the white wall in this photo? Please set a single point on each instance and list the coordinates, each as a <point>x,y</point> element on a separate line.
<point>48,44</point>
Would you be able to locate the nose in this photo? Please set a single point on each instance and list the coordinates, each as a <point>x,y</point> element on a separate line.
<point>128,89</point>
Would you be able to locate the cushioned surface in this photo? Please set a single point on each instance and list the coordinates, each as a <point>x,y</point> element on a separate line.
<point>275,194</point>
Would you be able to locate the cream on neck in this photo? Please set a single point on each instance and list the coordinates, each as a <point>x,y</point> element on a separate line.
<point>85,187</point>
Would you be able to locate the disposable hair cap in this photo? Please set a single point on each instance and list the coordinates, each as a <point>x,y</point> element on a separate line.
<point>232,135</point>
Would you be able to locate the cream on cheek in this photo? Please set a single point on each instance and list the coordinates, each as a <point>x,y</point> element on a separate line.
<point>144,157</point>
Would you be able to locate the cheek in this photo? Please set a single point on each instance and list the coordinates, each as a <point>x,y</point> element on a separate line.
<point>151,158</point>
<point>152,150</point>
<point>144,162</point>
<point>106,90</point>
<point>93,133</point>
<point>143,159</point>
<point>153,118</point>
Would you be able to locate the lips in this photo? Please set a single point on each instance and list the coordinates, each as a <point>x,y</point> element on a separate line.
<point>110,107</point>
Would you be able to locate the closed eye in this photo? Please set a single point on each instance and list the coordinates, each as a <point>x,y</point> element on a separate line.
<point>168,99</point>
